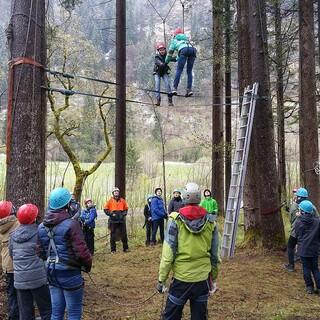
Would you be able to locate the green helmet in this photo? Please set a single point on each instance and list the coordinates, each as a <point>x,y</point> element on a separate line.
<point>176,190</point>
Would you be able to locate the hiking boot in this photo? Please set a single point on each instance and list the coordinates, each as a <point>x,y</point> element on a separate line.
<point>296,258</point>
<point>174,91</point>
<point>309,290</point>
<point>189,93</point>
<point>170,102</point>
<point>289,267</point>
<point>158,102</point>
<point>113,252</point>
<point>126,250</point>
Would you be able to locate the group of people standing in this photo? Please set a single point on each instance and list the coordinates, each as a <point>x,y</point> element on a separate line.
<point>186,54</point>
<point>155,211</point>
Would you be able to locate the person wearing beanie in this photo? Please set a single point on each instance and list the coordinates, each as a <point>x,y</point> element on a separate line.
<point>116,208</point>
<point>30,277</point>
<point>208,203</point>
<point>176,202</point>
<point>158,214</point>
<point>8,223</point>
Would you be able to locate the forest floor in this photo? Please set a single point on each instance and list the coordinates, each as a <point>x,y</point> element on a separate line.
<point>253,286</point>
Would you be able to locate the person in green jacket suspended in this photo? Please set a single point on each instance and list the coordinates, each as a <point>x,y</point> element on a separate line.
<point>190,250</point>
<point>186,54</point>
<point>208,203</point>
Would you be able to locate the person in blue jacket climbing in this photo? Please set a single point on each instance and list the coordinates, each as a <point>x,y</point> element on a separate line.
<point>186,54</point>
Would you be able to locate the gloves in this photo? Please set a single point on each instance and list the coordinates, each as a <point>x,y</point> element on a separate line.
<point>160,287</point>
<point>213,288</point>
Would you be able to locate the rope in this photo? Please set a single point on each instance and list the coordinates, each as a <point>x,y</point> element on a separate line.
<point>136,304</point>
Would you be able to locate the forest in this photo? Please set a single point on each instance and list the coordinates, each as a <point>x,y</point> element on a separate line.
<point>80,109</point>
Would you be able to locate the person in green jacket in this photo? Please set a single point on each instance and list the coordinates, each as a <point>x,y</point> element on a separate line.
<point>208,203</point>
<point>190,250</point>
<point>186,54</point>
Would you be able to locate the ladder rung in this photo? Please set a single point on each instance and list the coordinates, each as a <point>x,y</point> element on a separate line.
<point>226,247</point>
<point>227,234</point>
<point>244,126</point>
<point>228,221</point>
<point>239,150</point>
<point>238,161</point>
<point>235,173</point>
<point>241,138</point>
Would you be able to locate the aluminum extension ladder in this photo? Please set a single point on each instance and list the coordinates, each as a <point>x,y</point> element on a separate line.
<point>239,167</point>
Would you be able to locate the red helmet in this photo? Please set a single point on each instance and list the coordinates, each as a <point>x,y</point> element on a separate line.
<point>177,31</point>
<point>86,201</point>
<point>27,213</point>
<point>161,45</point>
<point>5,208</point>
<point>294,190</point>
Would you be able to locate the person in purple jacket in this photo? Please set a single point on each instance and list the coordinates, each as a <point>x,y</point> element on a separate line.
<point>158,214</point>
<point>62,245</point>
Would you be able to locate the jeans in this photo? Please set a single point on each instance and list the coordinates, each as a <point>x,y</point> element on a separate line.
<point>89,238</point>
<point>26,300</point>
<point>64,299</point>
<point>310,266</point>
<point>155,225</point>
<point>180,292</point>
<point>292,242</point>
<point>13,309</point>
<point>166,80</point>
<point>121,230</point>
<point>187,54</point>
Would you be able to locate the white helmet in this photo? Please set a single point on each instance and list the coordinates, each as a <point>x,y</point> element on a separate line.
<point>115,189</point>
<point>191,194</point>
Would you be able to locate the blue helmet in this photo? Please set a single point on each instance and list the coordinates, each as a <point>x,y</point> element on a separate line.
<point>306,206</point>
<point>59,198</point>
<point>302,192</point>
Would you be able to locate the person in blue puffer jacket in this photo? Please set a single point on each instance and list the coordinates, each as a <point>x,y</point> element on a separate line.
<point>158,214</point>
<point>87,218</point>
<point>62,245</point>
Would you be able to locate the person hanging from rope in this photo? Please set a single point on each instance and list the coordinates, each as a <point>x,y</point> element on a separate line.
<point>186,54</point>
<point>62,245</point>
<point>116,208</point>
<point>87,219</point>
<point>8,223</point>
<point>30,277</point>
<point>191,251</point>
<point>161,70</point>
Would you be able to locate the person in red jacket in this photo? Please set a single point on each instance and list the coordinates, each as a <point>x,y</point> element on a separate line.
<point>116,208</point>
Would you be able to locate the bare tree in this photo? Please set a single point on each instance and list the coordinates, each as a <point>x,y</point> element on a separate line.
<point>308,119</point>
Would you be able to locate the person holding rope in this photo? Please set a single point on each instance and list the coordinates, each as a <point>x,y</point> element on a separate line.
<point>116,208</point>
<point>186,54</point>
<point>191,251</point>
<point>62,245</point>
<point>87,219</point>
<point>161,71</point>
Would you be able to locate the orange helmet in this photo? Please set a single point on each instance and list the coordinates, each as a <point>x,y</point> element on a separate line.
<point>5,208</point>
<point>27,213</point>
<point>177,31</point>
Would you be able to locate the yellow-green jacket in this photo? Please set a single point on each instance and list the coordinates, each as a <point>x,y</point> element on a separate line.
<point>191,245</point>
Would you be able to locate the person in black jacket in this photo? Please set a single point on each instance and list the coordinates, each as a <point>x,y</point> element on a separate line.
<point>161,70</point>
<point>307,229</point>
<point>176,202</point>
<point>148,220</point>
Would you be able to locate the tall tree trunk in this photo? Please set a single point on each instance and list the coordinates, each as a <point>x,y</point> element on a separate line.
<point>228,130</point>
<point>217,108</point>
<point>272,229</point>
<point>319,33</point>
<point>251,199</point>
<point>26,123</point>
<point>280,102</point>
<point>120,147</point>
<point>308,120</point>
